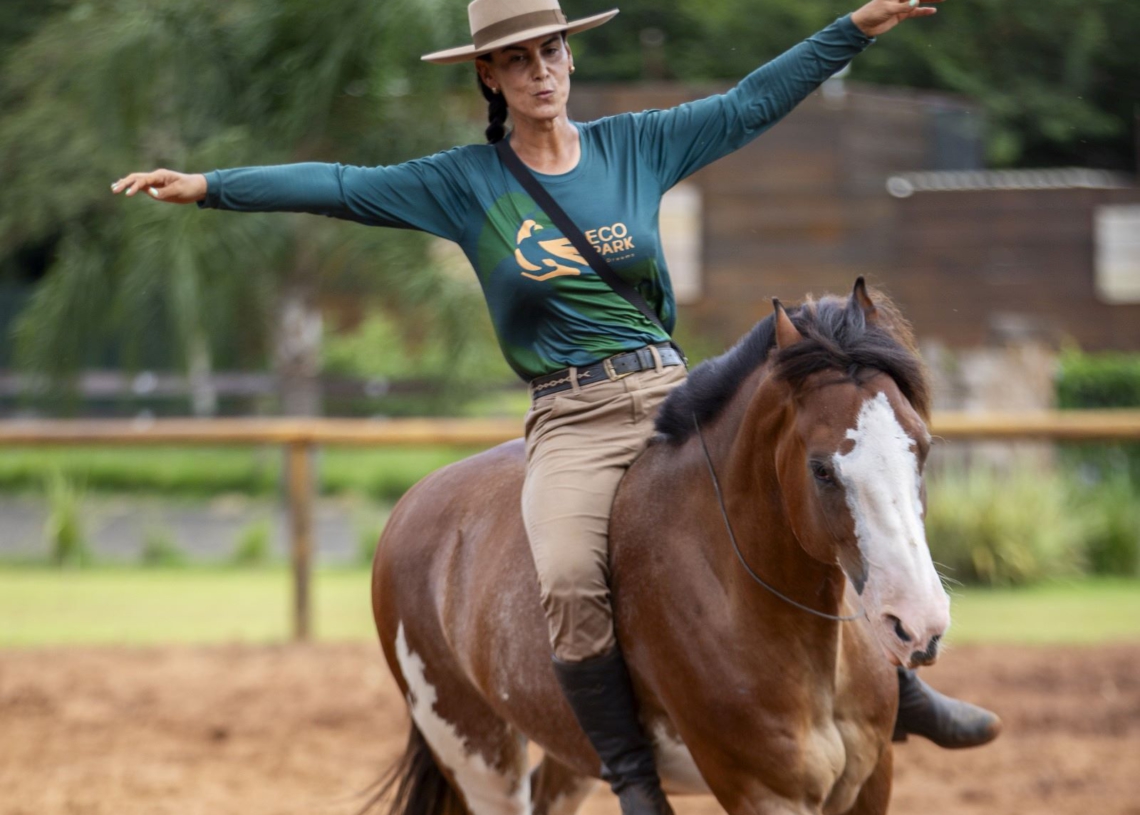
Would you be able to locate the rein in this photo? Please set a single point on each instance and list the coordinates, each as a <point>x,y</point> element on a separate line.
<point>740,555</point>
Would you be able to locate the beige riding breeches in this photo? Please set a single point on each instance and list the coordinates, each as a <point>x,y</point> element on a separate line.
<point>579,444</point>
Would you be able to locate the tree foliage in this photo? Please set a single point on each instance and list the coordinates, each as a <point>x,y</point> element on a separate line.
<point>110,86</point>
<point>1058,79</point>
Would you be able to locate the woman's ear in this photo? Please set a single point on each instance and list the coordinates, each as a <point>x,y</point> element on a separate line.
<point>483,69</point>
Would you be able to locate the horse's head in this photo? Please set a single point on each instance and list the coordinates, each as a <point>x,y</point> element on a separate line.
<point>850,453</point>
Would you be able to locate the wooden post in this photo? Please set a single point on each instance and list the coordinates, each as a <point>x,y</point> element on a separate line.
<point>299,457</point>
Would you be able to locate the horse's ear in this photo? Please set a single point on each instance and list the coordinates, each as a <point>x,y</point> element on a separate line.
<point>863,299</point>
<point>787,334</point>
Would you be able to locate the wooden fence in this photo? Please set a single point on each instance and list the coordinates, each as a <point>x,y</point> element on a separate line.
<point>299,437</point>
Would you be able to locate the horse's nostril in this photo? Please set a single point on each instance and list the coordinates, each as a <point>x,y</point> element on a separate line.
<point>928,656</point>
<point>899,630</point>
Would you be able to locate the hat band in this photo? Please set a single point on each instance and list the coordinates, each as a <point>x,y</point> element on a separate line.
<point>515,25</point>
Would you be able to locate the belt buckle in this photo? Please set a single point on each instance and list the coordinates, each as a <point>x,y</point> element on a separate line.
<point>608,367</point>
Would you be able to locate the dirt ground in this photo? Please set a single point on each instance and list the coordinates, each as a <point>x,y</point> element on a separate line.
<point>259,730</point>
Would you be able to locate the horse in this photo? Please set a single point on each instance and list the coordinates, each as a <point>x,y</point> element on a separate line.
<point>769,573</point>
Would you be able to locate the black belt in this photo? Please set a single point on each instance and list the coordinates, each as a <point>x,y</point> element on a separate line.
<point>610,369</point>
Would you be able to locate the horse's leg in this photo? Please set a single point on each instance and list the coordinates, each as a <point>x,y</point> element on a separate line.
<point>482,757</point>
<point>875,795</point>
<point>556,789</point>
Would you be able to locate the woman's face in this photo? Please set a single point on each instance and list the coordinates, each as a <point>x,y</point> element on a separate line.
<point>534,76</point>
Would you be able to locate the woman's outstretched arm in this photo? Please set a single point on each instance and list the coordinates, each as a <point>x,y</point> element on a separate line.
<point>426,194</point>
<point>682,140</point>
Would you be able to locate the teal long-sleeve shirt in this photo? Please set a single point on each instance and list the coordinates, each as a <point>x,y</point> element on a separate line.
<point>549,309</point>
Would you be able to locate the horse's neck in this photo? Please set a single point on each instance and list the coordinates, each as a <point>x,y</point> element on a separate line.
<point>743,452</point>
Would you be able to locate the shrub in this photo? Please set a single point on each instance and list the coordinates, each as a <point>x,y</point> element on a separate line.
<point>369,536</point>
<point>63,528</point>
<point>160,549</point>
<point>1002,530</point>
<point>1112,533</point>
<point>1104,381</point>
<point>1098,380</point>
<point>253,545</point>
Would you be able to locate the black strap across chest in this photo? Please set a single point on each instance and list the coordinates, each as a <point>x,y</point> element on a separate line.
<point>561,220</point>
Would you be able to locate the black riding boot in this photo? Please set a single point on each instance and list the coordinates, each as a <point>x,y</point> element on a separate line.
<point>600,693</point>
<point>947,722</point>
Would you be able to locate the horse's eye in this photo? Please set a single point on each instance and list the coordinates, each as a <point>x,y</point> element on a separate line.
<point>823,473</point>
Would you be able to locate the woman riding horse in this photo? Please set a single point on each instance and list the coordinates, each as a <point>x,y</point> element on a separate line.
<point>598,368</point>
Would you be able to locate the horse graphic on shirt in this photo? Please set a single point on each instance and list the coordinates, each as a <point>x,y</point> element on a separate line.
<point>560,248</point>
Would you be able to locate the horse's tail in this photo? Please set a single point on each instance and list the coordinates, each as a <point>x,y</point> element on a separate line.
<point>414,785</point>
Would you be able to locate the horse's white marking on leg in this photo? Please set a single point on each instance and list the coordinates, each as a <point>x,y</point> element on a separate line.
<point>675,765</point>
<point>486,789</point>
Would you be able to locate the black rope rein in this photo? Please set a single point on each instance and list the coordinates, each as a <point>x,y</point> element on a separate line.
<point>740,555</point>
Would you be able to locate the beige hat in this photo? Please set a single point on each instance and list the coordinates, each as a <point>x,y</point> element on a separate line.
<point>498,23</point>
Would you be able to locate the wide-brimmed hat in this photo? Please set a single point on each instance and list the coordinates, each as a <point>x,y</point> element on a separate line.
<point>499,23</point>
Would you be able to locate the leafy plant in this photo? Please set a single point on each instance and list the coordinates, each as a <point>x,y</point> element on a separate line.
<point>368,537</point>
<point>161,549</point>
<point>1007,529</point>
<point>136,284</point>
<point>1100,381</point>
<point>1112,536</point>
<point>253,545</point>
<point>63,528</point>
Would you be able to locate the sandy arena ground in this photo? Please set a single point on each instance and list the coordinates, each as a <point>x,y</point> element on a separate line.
<point>259,730</point>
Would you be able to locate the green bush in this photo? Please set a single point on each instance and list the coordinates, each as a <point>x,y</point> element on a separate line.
<point>1003,529</point>
<point>1112,526</point>
<point>253,545</point>
<point>368,537</point>
<point>63,528</point>
<point>159,470</point>
<point>161,550</point>
<point>384,474</point>
<point>1100,381</point>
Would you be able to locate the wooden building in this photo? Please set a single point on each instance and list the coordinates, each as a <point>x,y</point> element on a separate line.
<point>887,183</point>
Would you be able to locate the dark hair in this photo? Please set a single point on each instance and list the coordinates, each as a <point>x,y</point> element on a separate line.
<point>836,336</point>
<point>496,109</point>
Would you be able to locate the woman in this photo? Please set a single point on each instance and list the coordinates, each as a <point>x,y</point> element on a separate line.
<point>598,368</point>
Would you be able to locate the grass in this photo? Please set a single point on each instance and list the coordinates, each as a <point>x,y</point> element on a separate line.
<point>1080,611</point>
<point>41,606</point>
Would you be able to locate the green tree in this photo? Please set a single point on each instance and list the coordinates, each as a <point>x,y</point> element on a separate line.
<point>103,88</point>
<point>1058,80</point>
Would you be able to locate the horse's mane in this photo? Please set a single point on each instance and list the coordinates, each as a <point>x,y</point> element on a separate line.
<point>837,336</point>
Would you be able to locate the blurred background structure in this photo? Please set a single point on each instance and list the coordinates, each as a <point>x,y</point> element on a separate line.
<point>980,167</point>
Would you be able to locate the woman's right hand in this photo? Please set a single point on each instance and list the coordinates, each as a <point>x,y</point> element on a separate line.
<point>164,185</point>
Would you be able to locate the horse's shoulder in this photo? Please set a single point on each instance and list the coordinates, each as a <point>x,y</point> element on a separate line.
<point>653,498</point>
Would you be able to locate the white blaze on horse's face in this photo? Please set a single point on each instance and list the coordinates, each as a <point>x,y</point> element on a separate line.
<point>880,474</point>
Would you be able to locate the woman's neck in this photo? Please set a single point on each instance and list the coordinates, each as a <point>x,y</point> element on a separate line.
<point>549,146</point>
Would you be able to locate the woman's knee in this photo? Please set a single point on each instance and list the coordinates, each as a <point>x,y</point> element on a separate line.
<point>573,575</point>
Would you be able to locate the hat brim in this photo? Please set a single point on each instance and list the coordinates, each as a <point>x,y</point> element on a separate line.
<point>469,52</point>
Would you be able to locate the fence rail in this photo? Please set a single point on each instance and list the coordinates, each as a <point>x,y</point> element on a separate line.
<point>300,436</point>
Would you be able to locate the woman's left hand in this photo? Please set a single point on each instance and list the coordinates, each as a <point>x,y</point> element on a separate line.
<point>880,16</point>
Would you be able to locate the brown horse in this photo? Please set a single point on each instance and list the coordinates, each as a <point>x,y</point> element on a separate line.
<point>794,460</point>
